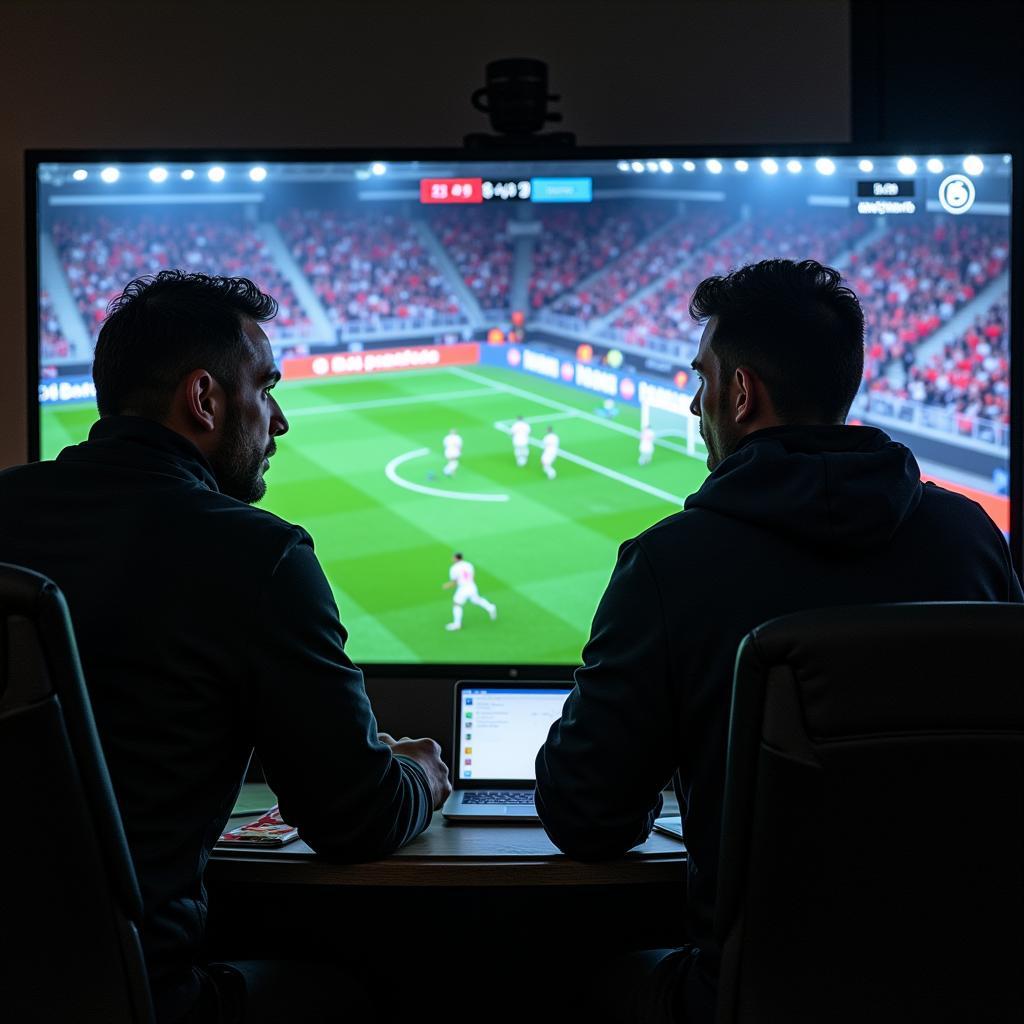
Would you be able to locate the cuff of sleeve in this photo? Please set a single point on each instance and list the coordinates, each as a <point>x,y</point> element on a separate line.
<point>419,777</point>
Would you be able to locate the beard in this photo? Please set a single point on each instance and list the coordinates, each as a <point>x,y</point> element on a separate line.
<point>720,439</point>
<point>238,463</point>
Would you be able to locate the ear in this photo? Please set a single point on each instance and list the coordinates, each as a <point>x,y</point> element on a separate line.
<point>748,403</point>
<point>203,400</point>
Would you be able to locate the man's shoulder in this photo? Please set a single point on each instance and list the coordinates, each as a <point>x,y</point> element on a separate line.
<point>954,507</point>
<point>244,523</point>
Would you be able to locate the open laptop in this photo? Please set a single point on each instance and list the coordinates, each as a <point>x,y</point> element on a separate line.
<point>499,727</point>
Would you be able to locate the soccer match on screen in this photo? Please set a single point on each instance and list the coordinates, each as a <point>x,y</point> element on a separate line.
<point>486,366</point>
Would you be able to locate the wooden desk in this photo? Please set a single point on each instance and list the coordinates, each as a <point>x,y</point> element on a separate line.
<point>504,885</point>
<point>458,855</point>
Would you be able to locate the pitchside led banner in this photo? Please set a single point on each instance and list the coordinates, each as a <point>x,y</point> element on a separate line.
<point>492,356</point>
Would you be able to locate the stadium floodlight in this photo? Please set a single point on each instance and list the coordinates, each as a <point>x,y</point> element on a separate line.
<point>666,166</point>
<point>689,165</point>
<point>652,165</point>
<point>742,166</point>
<point>623,165</point>
<point>188,174</point>
<point>257,173</point>
<point>216,173</point>
<point>823,165</point>
<point>638,167</point>
<point>973,165</point>
<point>378,168</point>
<point>158,175</point>
<point>110,175</point>
<point>866,166</point>
<point>714,166</point>
<point>794,166</point>
<point>769,166</point>
<point>81,174</point>
<point>906,165</point>
<point>935,165</point>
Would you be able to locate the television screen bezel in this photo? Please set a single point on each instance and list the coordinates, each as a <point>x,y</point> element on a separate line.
<point>540,151</point>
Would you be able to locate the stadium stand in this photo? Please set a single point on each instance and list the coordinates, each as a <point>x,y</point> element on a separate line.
<point>914,279</point>
<point>53,344</point>
<point>969,376</point>
<point>641,266</point>
<point>101,255</point>
<point>370,272</point>
<point>479,244</point>
<point>577,242</point>
<point>663,314</point>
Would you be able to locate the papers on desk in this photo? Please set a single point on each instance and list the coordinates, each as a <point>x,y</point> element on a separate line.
<point>267,830</point>
<point>671,825</point>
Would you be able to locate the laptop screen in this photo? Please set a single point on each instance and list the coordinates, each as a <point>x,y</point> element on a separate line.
<point>501,730</point>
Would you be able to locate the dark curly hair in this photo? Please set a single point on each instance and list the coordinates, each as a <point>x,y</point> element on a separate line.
<point>796,326</point>
<point>161,328</point>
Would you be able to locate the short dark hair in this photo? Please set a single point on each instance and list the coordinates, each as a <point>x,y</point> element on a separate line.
<point>161,328</point>
<point>796,326</point>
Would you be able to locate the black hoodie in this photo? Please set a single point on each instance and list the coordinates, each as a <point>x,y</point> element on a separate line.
<point>796,518</point>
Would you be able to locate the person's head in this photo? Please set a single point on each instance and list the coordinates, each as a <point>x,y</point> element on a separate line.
<point>783,343</point>
<point>187,350</point>
<point>457,557</point>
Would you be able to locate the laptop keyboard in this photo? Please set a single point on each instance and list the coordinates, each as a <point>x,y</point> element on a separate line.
<point>498,796</point>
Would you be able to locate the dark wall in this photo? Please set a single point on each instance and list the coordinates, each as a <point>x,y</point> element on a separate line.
<point>932,70</point>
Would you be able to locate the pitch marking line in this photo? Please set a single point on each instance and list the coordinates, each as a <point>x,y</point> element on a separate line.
<point>612,474</point>
<point>562,407</point>
<point>390,471</point>
<point>383,403</point>
<point>506,424</point>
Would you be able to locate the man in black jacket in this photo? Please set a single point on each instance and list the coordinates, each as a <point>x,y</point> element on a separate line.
<point>798,512</point>
<point>206,626</point>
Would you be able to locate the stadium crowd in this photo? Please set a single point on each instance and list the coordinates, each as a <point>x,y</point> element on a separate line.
<point>368,270</point>
<point>664,313</point>
<point>52,343</point>
<point>102,254</point>
<point>642,265</point>
<point>970,376</point>
<point>914,279</point>
<point>576,242</point>
<point>480,246</point>
<point>373,271</point>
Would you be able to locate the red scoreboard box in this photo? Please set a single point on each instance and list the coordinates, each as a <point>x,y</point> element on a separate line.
<point>451,190</point>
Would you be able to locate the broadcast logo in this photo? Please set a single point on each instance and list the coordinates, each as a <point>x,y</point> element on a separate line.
<point>956,193</point>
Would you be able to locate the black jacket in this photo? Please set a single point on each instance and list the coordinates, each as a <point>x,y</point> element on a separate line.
<point>796,518</point>
<point>205,627</point>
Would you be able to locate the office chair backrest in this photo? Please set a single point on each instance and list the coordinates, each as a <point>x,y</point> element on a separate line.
<point>69,900</point>
<point>872,855</point>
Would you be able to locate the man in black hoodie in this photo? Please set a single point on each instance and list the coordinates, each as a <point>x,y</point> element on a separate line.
<point>799,512</point>
<point>207,627</point>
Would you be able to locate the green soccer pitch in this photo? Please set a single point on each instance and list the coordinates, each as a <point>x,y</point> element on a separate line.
<point>361,470</point>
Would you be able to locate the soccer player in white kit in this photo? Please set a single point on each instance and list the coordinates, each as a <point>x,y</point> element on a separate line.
<point>452,451</point>
<point>521,440</point>
<point>646,445</point>
<point>461,576</point>
<point>549,454</point>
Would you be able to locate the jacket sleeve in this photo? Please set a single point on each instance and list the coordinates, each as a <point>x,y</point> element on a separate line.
<point>601,771</point>
<point>313,728</point>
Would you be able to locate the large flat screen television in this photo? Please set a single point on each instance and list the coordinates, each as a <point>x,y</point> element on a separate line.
<point>428,292</point>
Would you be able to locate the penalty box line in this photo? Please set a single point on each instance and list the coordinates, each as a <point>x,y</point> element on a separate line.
<point>551,403</point>
<point>597,467</point>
